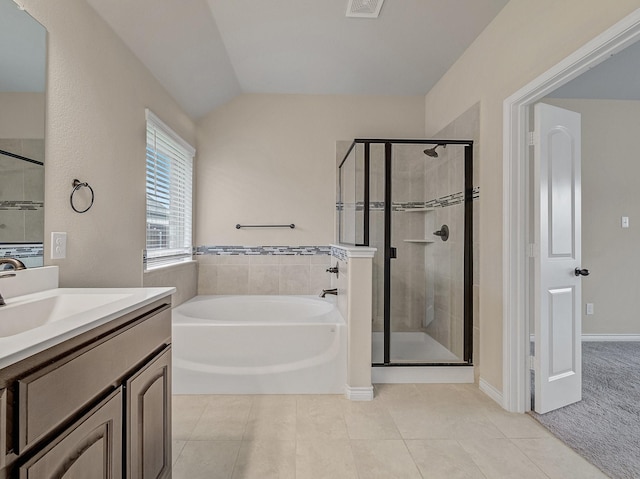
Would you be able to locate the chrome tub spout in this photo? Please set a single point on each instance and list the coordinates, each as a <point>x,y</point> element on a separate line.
<point>329,291</point>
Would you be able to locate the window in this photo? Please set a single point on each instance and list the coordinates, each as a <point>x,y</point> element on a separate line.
<point>169,187</point>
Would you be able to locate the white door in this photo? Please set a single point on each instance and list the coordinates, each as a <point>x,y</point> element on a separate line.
<point>557,284</point>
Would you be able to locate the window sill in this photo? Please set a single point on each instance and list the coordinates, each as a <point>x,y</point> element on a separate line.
<point>163,267</point>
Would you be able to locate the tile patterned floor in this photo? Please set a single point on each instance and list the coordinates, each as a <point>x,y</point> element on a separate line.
<point>408,431</point>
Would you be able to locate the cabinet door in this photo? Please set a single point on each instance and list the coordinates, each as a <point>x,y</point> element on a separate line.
<point>90,449</point>
<point>148,429</point>
<point>3,427</point>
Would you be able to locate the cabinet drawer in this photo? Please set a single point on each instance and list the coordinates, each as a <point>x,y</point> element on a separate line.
<point>53,394</point>
<point>90,448</point>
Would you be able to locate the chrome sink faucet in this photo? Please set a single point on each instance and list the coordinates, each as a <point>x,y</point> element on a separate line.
<point>2,276</point>
<point>17,265</point>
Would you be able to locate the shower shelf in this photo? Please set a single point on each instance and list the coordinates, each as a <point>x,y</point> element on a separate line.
<point>417,210</point>
<point>418,241</point>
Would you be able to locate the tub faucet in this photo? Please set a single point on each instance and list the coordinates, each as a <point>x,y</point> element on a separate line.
<point>16,263</point>
<point>5,275</point>
<point>333,269</point>
<point>329,291</point>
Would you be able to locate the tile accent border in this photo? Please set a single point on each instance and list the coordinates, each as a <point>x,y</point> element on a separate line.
<point>442,202</point>
<point>344,252</point>
<point>262,250</point>
<point>31,254</point>
<point>21,205</point>
<point>339,253</point>
<point>34,250</point>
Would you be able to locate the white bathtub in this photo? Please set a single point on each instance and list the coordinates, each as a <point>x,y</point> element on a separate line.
<point>258,345</point>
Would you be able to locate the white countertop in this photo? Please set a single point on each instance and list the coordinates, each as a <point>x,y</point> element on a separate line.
<point>118,302</point>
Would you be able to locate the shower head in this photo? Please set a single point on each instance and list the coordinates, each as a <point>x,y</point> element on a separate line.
<point>432,151</point>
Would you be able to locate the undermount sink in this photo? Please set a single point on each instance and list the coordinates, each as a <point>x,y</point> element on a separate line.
<point>38,314</point>
<point>27,315</point>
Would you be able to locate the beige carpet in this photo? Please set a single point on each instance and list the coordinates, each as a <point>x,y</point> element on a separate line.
<point>605,426</point>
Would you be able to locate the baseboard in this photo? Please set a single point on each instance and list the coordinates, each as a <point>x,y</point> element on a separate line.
<point>610,337</point>
<point>490,391</point>
<point>359,393</point>
<point>422,374</point>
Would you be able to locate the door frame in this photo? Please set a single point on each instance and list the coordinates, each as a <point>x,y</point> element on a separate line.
<point>516,201</point>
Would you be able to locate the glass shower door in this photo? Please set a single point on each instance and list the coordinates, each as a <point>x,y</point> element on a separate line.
<point>426,279</point>
<point>376,240</point>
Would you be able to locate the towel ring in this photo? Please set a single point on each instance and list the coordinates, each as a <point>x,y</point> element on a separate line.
<point>77,184</point>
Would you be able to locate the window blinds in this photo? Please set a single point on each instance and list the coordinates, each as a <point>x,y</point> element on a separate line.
<point>169,195</point>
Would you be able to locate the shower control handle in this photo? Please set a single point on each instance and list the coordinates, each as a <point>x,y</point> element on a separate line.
<point>333,269</point>
<point>581,272</point>
<point>443,232</point>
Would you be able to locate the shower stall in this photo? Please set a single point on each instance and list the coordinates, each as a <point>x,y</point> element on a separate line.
<point>22,200</point>
<point>411,199</point>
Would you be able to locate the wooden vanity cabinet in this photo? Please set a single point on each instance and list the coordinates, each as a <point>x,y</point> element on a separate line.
<point>97,405</point>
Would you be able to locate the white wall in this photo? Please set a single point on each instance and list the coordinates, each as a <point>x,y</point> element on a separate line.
<point>524,40</point>
<point>271,159</point>
<point>97,91</point>
<point>610,172</point>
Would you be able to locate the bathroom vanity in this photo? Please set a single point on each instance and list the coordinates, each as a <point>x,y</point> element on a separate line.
<point>94,402</point>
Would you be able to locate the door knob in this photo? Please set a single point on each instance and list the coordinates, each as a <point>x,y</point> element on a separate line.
<point>581,272</point>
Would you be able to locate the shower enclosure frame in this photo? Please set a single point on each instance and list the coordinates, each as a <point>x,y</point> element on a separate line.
<point>389,250</point>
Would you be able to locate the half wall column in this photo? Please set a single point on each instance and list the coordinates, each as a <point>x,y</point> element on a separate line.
<point>355,299</point>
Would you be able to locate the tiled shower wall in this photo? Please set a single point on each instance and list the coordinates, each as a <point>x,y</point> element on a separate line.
<point>21,192</point>
<point>445,259</point>
<point>264,273</point>
<point>447,326</point>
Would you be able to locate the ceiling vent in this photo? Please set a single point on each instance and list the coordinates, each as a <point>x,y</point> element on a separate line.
<point>364,8</point>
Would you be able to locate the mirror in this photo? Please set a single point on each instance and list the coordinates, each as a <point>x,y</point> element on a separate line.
<point>22,109</point>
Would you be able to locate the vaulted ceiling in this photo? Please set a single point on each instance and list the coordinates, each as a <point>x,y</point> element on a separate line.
<point>205,52</point>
